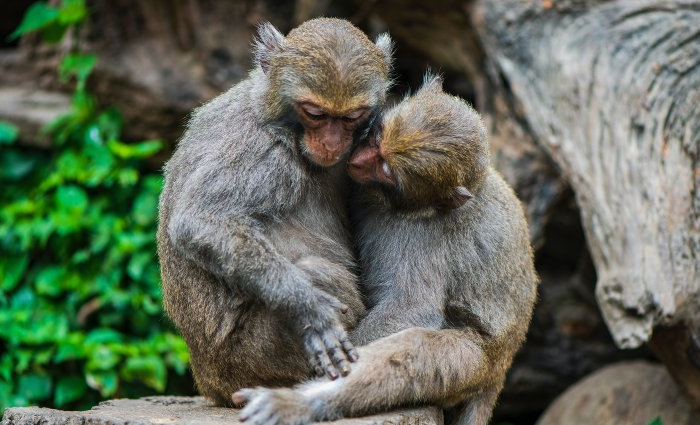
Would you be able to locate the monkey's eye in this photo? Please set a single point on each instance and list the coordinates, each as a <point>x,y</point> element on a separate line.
<point>313,112</point>
<point>354,115</point>
<point>386,170</point>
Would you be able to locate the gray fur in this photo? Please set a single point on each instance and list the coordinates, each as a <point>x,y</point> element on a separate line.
<point>253,238</point>
<point>450,296</point>
<point>269,42</point>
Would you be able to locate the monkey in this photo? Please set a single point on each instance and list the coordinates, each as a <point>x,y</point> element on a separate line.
<point>258,270</point>
<point>448,267</point>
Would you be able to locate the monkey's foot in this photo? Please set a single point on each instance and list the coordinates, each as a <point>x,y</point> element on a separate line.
<point>273,407</point>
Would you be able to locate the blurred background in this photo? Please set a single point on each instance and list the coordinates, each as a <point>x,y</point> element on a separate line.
<point>94,95</point>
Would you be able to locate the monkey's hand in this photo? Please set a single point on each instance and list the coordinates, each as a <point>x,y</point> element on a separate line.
<point>324,337</point>
<point>273,407</point>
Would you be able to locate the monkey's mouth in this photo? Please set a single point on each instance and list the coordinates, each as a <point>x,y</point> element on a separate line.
<point>324,159</point>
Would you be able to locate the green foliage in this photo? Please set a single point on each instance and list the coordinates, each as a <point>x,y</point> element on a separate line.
<point>80,302</point>
<point>656,421</point>
<point>8,133</point>
<point>51,22</point>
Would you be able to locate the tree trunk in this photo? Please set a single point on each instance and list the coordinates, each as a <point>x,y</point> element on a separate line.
<point>611,90</point>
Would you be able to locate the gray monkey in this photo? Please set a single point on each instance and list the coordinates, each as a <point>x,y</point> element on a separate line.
<point>253,238</point>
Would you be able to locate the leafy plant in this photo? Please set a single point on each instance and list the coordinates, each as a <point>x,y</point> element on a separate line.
<point>80,302</point>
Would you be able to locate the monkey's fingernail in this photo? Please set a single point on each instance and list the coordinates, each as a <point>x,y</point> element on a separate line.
<point>354,356</point>
<point>344,371</point>
<point>344,309</point>
<point>332,373</point>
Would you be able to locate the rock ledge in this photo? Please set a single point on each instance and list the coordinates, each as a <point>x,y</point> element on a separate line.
<point>184,410</point>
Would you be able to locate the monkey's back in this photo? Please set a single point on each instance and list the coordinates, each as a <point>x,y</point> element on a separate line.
<point>234,341</point>
<point>477,258</point>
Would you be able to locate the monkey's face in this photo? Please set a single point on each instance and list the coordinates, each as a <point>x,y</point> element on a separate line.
<point>431,151</point>
<point>328,133</point>
<point>368,166</point>
<point>325,79</point>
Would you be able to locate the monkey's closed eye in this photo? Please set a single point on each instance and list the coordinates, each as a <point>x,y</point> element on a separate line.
<point>354,115</point>
<point>386,170</point>
<point>313,112</point>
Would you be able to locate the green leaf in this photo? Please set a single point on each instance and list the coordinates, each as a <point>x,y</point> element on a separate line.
<point>138,263</point>
<point>103,336</point>
<point>15,164</point>
<point>48,281</point>
<point>102,358</point>
<point>8,133</point>
<point>72,347</point>
<point>68,389</point>
<point>135,150</point>
<point>71,198</point>
<point>72,11</point>
<point>150,370</point>
<point>104,382</point>
<point>656,421</point>
<point>35,387</point>
<point>11,271</point>
<point>110,122</point>
<point>53,32</point>
<point>38,16</point>
<point>78,65</point>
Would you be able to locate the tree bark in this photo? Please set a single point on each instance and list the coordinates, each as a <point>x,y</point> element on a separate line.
<point>611,90</point>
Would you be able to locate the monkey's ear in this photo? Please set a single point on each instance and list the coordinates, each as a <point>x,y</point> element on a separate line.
<point>431,82</point>
<point>459,196</point>
<point>386,45</point>
<point>269,42</point>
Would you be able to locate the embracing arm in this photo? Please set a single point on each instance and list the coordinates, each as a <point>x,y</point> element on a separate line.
<point>231,245</point>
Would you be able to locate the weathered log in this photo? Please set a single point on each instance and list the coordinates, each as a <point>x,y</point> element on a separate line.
<point>611,89</point>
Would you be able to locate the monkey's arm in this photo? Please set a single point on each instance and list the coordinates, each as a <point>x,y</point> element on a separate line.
<point>235,250</point>
<point>415,366</point>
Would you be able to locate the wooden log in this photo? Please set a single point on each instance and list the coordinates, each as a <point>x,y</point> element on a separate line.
<point>611,89</point>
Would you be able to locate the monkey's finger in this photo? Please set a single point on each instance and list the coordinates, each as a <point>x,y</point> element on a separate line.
<point>337,354</point>
<point>348,348</point>
<point>340,360</point>
<point>316,347</point>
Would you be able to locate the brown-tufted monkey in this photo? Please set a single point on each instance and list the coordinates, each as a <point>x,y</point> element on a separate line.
<point>446,260</point>
<point>256,258</point>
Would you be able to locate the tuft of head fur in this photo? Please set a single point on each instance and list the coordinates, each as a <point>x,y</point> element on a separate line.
<point>327,61</point>
<point>433,143</point>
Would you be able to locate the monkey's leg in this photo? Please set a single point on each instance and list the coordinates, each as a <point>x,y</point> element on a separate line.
<point>475,411</point>
<point>415,366</point>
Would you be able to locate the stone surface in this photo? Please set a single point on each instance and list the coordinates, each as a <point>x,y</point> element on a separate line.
<point>31,109</point>
<point>624,393</point>
<point>184,410</point>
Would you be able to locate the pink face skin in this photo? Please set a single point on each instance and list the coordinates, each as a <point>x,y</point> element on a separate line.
<point>367,164</point>
<point>328,136</point>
